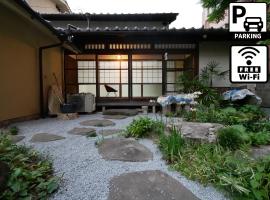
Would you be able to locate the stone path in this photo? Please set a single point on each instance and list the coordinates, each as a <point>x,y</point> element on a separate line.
<point>46,137</point>
<point>148,185</point>
<point>107,132</point>
<point>124,149</point>
<point>98,123</point>
<point>126,112</point>
<point>87,175</point>
<point>82,131</point>
<point>114,117</point>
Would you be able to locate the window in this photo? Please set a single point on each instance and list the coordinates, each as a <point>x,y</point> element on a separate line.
<point>146,75</point>
<point>87,76</point>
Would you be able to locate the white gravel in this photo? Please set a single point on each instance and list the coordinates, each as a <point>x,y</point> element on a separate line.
<point>85,174</point>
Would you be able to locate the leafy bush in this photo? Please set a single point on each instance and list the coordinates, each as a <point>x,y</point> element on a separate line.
<point>31,175</point>
<point>171,145</point>
<point>13,130</point>
<point>260,138</point>
<point>232,171</point>
<point>140,127</point>
<point>232,137</point>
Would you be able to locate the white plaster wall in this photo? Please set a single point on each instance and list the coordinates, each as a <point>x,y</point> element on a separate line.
<point>219,52</point>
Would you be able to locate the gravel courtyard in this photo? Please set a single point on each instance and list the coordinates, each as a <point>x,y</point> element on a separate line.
<point>85,174</point>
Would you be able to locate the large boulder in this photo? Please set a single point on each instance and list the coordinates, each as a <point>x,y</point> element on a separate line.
<point>204,132</point>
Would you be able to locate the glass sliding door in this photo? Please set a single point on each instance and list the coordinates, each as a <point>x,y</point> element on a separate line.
<point>113,75</point>
<point>177,64</point>
<point>146,76</point>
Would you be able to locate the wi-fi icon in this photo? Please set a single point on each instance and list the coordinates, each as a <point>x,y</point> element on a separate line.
<point>248,53</point>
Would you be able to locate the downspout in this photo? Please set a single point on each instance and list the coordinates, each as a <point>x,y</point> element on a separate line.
<point>41,94</point>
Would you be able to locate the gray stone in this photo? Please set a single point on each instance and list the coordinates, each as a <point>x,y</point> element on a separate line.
<point>126,112</point>
<point>98,123</point>
<point>16,138</point>
<point>124,149</point>
<point>45,137</point>
<point>82,131</point>
<point>107,132</point>
<point>261,151</point>
<point>205,132</point>
<point>114,117</point>
<point>148,185</point>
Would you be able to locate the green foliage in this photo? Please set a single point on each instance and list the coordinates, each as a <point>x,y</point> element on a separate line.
<point>13,130</point>
<point>232,137</point>
<point>232,171</point>
<point>218,8</point>
<point>143,127</point>
<point>247,115</point>
<point>171,145</point>
<point>92,134</point>
<point>31,175</point>
<point>190,84</point>
<point>260,138</point>
<point>210,71</point>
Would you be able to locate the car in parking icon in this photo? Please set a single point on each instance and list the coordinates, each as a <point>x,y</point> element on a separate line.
<point>253,23</point>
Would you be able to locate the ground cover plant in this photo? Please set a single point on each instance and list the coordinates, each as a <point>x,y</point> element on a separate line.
<point>229,168</point>
<point>30,176</point>
<point>143,127</point>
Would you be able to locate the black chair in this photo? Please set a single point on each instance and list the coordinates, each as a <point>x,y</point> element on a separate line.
<point>109,89</point>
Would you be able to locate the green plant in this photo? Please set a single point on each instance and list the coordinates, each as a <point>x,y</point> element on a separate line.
<point>232,137</point>
<point>92,134</point>
<point>210,71</point>
<point>31,175</point>
<point>13,130</point>
<point>171,145</point>
<point>140,127</point>
<point>260,138</point>
<point>233,171</point>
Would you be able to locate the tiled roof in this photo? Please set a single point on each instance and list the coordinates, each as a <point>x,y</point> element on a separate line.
<point>163,17</point>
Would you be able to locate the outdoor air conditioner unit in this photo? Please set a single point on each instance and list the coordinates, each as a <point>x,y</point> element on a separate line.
<point>84,102</point>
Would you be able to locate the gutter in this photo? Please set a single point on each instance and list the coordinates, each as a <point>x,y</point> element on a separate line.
<point>41,90</point>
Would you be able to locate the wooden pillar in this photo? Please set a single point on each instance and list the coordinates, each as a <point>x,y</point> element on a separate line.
<point>129,76</point>
<point>164,74</point>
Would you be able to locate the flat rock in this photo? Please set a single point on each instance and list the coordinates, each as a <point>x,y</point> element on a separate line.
<point>124,149</point>
<point>45,137</point>
<point>205,132</point>
<point>107,132</point>
<point>261,151</point>
<point>114,117</point>
<point>82,131</point>
<point>98,123</point>
<point>126,112</point>
<point>16,138</point>
<point>148,185</point>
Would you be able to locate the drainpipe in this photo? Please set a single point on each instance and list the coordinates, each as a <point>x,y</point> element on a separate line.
<point>41,95</point>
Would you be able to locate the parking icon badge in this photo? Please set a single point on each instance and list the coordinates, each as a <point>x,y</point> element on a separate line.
<point>247,20</point>
<point>249,64</point>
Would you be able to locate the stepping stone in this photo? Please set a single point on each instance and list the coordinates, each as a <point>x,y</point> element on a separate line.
<point>114,117</point>
<point>82,131</point>
<point>260,152</point>
<point>124,149</point>
<point>107,132</point>
<point>16,138</point>
<point>46,137</point>
<point>98,123</point>
<point>148,185</point>
<point>126,112</point>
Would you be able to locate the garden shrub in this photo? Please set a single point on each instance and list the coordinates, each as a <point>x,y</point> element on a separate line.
<point>260,138</point>
<point>171,145</point>
<point>232,137</point>
<point>31,176</point>
<point>232,171</point>
<point>142,127</point>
